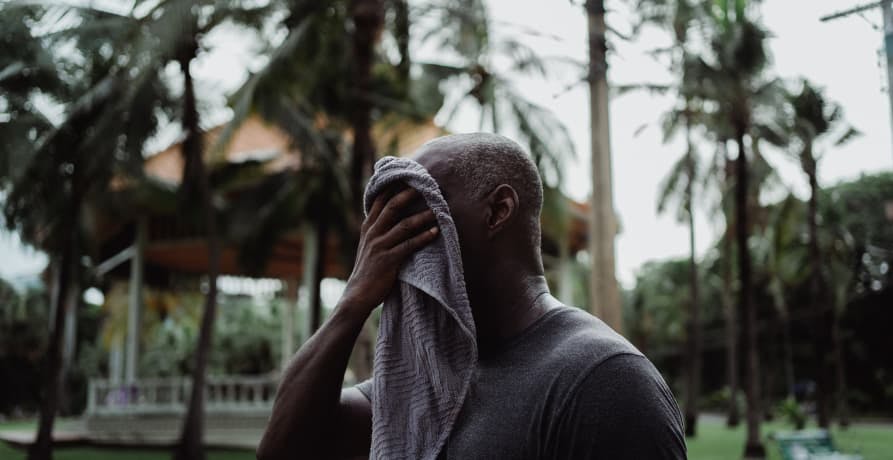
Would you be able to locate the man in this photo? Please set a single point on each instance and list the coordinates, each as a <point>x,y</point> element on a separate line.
<point>552,382</point>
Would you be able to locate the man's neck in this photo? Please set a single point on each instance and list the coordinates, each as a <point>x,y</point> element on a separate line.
<point>510,306</point>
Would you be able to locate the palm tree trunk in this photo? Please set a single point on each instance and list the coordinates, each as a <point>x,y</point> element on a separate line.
<point>733,417</point>
<point>753,447</point>
<point>824,314</point>
<point>694,320</point>
<point>788,355</point>
<point>603,290</point>
<point>401,34</point>
<point>368,16</point>
<point>42,448</point>
<point>69,345</point>
<point>843,407</point>
<point>319,265</point>
<point>190,446</point>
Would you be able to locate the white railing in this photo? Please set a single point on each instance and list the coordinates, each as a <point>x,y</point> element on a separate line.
<point>171,395</point>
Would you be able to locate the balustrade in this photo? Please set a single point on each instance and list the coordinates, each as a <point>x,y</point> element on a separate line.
<point>171,395</point>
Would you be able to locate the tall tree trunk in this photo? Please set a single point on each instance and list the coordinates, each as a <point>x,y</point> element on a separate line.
<point>824,314</point>
<point>603,290</point>
<point>733,417</point>
<point>694,314</point>
<point>69,345</point>
<point>368,16</point>
<point>843,407</point>
<point>319,265</point>
<point>753,447</point>
<point>42,449</point>
<point>401,33</point>
<point>190,445</point>
<point>788,355</point>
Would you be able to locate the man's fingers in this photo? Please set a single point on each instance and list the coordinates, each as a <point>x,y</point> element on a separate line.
<point>407,228</point>
<point>391,211</point>
<point>407,247</point>
<point>377,205</point>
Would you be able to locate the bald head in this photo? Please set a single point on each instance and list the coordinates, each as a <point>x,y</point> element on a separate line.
<point>475,164</point>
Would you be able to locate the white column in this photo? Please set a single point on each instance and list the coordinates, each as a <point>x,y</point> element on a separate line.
<point>116,362</point>
<point>136,296</point>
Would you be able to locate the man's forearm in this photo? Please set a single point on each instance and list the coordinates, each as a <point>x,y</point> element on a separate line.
<point>306,414</point>
<point>307,401</point>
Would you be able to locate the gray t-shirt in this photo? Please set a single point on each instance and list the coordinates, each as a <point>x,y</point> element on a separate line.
<point>568,387</point>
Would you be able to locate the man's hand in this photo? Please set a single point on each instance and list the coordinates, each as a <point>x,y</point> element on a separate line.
<point>386,241</point>
<point>312,417</point>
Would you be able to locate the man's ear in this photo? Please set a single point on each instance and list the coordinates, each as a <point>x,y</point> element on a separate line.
<point>502,208</point>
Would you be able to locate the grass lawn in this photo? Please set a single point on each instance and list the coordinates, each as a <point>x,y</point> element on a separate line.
<point>98,453</point>
<point>94,453</point>
<point>716,442</point>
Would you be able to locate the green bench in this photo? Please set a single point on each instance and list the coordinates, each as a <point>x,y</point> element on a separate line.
<point>809,445</point>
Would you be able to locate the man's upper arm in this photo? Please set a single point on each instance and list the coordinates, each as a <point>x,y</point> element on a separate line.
<point>621,410</point>
<point>354,425</point>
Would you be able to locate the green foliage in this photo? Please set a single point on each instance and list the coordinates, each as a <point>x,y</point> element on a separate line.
<point>855,235</point>
<point>656,316</point>
<point>469,73</point>
<point>23,337</point>
<point>246,338</point>
<point>859,234</point>
<point>792,412</point>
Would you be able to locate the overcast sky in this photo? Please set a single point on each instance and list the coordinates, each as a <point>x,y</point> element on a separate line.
<point>842,56</point>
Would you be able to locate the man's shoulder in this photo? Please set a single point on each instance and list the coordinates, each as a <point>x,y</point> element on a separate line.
<point>581,339</point>
<point>621,408</point>
<point>613,402</point>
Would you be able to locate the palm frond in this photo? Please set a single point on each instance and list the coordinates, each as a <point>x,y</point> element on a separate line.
<point>672,186</point>
<point>848,135</point>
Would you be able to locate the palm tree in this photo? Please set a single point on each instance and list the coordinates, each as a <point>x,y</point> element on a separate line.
<point>813,119</point>
<point>466,28</point>
<point>732,78</point>
<point>318,85</point>
<point>604,291</point>
<point>779,252</point>
<point>190,23</point>
<point>679,185</point>
<point>195,176</point>
<point>54,169</point>
<point>367,17</point>
<point>143,44</point>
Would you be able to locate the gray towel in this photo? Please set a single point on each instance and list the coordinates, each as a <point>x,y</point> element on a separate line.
<point>426,349</point>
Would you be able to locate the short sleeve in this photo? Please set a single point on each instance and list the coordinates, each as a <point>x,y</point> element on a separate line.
<point>621,410</point>
<point>365,387</point>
